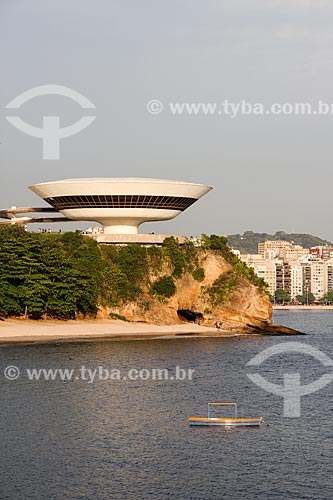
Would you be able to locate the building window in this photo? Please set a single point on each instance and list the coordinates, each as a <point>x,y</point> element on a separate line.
<point>120,201</point>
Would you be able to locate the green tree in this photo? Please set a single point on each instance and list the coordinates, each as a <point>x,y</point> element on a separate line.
<point>281,296</point>
<point>327,298</point>
<point>173,254</point>
<point>163,287</point>
<point>125,269</point>
<point>214,242</point>
<point>222,288</point>
<point>57,275</point>
<point>308,298</point>
<point>198,274</point>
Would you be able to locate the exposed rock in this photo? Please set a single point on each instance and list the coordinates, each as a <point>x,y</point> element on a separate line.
<point>247,310</point>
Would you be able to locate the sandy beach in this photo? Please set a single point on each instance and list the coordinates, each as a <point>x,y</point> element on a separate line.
<point>26,331</point>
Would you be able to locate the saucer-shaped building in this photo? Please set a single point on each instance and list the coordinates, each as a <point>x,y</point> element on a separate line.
<point>120,204</point>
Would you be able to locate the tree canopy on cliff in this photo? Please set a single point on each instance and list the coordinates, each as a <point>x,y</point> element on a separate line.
<point>55,275</point>
<point>66,275</point>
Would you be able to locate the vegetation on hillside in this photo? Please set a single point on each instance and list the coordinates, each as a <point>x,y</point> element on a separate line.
<point>163,288</point>
<point>240,269</point>
<point>66,275</point>
<point>248,242</point>
<point>48,274</point>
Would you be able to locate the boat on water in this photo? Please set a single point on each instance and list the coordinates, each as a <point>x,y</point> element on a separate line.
<point>234,421</point>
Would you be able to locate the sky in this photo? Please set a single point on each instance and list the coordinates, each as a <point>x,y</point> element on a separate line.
<point>268,173</point>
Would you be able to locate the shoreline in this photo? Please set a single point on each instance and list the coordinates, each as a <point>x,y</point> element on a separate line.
<point>19,331</point>
<point>25,331</point>
<point>302,308</point>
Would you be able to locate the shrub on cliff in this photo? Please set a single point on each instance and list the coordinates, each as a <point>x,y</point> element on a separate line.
<point>214,242</point>
<point>219,244</point>
<point>248,272</point>
<point>198,274</point>
<point>173,254</point>
<point>164,287</point>
<point>222,288</point>
<point>125,270</point>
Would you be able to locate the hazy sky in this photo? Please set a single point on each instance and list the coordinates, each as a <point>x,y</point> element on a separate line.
<point>268,172</point>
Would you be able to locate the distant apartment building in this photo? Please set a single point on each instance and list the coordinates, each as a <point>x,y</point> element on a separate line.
<point>322,252</point>
<point>270,249</point>
<point>306,277</point>
<point>264,269</point>
<point>279,271</point>
<point>292,268</point>
<point>296,279</point>
<point>252,258</point>
<point>329,276</point>
<point>289,277</point>
<point>280,249</point>
<point>294,253</point>
<point>318,279</point>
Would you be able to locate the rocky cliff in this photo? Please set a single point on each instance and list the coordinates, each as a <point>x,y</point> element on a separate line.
<point>69,276</point>
<point>243,308</point>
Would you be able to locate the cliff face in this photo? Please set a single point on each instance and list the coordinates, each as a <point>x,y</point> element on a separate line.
<point>246,308</point>
<point>69,276</point>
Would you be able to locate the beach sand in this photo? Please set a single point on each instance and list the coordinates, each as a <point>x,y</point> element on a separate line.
<point>14,331</point>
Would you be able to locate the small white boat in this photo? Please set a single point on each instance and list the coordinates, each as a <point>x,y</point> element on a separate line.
<point>226,422</point>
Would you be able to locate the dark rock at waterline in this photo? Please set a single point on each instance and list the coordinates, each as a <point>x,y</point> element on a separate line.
<point>272,329</point>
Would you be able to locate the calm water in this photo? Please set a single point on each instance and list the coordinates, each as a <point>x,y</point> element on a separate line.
<point>131,440</point>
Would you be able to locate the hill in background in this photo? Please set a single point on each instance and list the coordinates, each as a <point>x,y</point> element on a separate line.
<point>248,242</point>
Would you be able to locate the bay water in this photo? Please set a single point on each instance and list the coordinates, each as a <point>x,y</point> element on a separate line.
<point>130,439</point>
